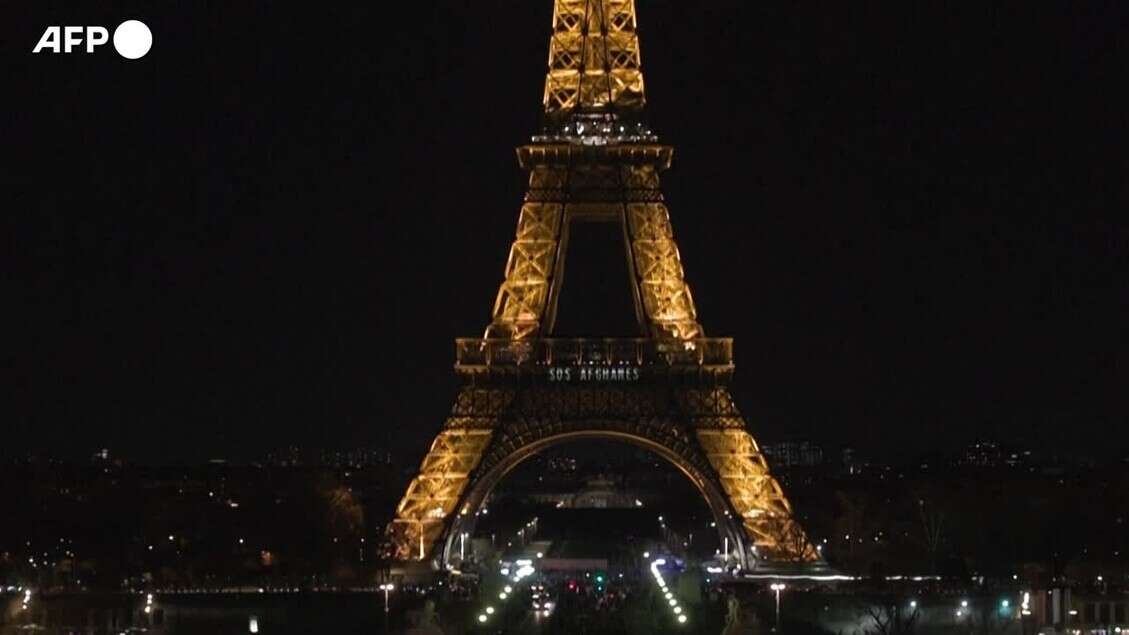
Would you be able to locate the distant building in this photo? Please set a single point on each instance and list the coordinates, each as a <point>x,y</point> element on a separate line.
<point>992,454</point>
<point>598,493</point>
<point>294,456</point>
<point>793,454</point>
<point>851,463</point>
<point>562,464</point>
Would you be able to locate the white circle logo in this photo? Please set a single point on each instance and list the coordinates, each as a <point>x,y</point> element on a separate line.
<point>133,39</point>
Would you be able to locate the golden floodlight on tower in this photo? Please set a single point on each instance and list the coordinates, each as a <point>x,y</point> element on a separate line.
<point>666,390</point>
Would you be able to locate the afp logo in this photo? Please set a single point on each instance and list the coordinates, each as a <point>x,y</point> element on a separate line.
<point>132,39</point>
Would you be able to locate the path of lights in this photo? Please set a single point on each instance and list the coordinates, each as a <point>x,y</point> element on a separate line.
<point>541,606</point>
<point>679,616</point>
<point>525,569</point>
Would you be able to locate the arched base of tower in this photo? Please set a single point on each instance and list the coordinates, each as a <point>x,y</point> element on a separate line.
<point>697,429</point>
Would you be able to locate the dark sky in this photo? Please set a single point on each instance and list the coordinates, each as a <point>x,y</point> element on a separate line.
<point>270,229</point>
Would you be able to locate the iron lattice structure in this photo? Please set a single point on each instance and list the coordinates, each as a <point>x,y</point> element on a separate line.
<point>593,57</point>
<point>525,391</point>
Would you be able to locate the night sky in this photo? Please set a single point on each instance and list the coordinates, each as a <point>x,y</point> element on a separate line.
<point>269,230</point>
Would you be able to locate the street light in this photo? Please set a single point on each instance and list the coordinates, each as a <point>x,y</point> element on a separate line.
<point>386,588</point>
<point>777,587</point>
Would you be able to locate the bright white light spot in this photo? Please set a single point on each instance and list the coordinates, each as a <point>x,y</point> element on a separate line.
<point>482,617</point>
<point>681,619</point>
<point>489,610</point>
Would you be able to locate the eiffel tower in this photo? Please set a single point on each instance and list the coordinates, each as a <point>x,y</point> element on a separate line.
<point>667,391</point>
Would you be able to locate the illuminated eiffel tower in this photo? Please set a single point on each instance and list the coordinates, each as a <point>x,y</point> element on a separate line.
<point>524,391</point>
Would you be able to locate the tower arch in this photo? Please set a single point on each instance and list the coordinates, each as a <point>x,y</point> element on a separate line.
<point>685,462</point>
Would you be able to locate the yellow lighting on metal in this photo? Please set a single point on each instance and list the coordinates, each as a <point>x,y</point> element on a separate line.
<point>522,298</point>
<point>593,57</point>
<point>591,167</point>
<point>526,303</point>
<point>756,495</point>
<point>666,296</point>
<point>434,493</point>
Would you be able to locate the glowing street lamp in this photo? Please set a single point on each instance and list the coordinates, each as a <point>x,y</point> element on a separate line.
<point>777,587</point>
<point>386,588</point>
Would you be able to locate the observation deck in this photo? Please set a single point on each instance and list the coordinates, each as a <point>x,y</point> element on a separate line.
<point>706,354</point>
